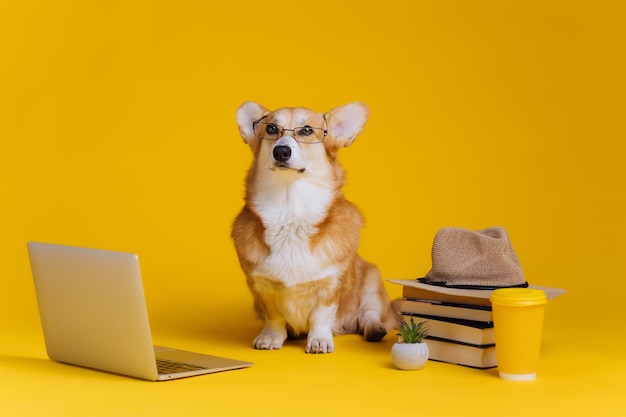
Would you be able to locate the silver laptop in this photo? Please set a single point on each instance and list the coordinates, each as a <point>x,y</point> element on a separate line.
<point>93,314</point>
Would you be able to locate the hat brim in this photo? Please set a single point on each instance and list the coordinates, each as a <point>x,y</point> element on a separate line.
<point>485,294</point>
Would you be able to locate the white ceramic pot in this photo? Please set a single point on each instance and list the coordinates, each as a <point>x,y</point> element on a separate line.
<point>409,356</point>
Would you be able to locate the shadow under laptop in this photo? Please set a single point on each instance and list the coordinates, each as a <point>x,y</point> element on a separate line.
<point>43,369</point>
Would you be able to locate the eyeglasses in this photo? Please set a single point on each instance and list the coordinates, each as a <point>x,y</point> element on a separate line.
<point>303,134</point>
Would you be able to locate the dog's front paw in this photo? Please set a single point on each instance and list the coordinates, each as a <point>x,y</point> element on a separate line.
<point>269,341</point>
<point>320,345</point>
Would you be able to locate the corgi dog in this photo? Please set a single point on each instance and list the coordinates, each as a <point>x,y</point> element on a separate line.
<point>297,235</point>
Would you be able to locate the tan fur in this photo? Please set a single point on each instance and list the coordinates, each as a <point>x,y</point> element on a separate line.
<point>297,236</point>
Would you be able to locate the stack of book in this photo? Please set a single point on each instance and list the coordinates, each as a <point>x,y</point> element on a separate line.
<point>461,328</point>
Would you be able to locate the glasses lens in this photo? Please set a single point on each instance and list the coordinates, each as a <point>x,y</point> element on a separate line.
<point>268,131</point>
<point>308,134</point>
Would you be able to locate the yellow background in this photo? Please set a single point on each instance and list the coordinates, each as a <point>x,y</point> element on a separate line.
<point>117,131</point>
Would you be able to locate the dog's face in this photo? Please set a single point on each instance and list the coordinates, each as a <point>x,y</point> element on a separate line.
<point>297,141</point>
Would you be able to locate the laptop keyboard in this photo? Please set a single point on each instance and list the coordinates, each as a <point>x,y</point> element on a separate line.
<point>165,366</point>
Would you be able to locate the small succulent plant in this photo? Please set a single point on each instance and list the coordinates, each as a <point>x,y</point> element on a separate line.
<point>412,332</point>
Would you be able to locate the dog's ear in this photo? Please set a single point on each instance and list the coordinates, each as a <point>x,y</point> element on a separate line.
<point>247,113</point>
<point>346,122</point>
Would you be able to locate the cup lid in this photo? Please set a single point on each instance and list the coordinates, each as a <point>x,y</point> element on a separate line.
<point>518,297</point>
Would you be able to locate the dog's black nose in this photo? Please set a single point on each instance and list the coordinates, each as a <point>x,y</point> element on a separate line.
<point>282,153</point>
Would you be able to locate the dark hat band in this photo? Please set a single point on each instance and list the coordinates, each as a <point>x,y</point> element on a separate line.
<point>470,287</point>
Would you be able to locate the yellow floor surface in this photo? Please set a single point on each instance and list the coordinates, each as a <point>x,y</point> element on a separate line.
<point>576,377</point>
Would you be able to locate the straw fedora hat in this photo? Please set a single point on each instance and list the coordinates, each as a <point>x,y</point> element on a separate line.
<point>474,264</point>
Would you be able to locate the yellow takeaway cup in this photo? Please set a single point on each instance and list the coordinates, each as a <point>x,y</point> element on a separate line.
<point>518,323</point>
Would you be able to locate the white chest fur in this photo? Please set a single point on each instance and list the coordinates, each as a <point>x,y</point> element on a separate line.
<point>290,213</point>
